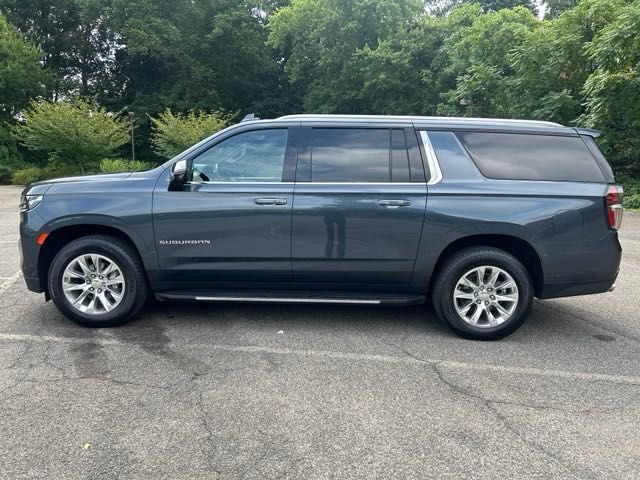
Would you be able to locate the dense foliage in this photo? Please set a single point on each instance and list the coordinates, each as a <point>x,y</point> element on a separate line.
<point>179,65</point>
<point>173,133</point>
<point>77,131</point>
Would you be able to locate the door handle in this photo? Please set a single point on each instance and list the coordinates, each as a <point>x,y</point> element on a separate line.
<point>394,203</point>
<point>270,201</point>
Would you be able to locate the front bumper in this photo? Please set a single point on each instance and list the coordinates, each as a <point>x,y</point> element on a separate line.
<point>30,224</point>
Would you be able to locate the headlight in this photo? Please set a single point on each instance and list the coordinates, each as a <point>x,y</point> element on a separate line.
<point>29,202</point>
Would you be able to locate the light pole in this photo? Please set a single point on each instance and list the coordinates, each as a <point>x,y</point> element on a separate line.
<point>468,104</point>
<point>133,145</point>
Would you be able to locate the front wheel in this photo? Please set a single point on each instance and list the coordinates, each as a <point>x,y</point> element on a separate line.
<point>98,281</point>
<point>483,293</point>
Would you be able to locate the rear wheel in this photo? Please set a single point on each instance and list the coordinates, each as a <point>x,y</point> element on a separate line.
<point>483,293</point>
<point>98,281</point>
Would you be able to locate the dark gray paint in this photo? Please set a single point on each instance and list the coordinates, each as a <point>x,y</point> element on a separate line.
<point>335,237</point>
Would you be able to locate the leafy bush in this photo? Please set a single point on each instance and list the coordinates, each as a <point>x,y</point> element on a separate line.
<point>5,175</point>
<point>632,201</point>
<point>116,165</point>
<point>28,175</point>
<point>173,134</point>
<point>31,174</point>
<point>73,132</point>
<point>631,197</point>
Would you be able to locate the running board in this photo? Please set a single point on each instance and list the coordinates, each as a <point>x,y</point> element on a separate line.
<point>354,298</point>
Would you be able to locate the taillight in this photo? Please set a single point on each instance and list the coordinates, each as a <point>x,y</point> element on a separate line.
<point>613,201</point>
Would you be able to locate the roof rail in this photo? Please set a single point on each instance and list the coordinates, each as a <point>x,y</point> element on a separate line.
<point>418,118</point>
<point>250,117</point>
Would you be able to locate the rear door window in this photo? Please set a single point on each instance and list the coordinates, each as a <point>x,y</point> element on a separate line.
<point>531,157</point>
<point>350,155</point>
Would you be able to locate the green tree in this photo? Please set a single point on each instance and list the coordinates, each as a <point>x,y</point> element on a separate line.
<point>475,61</point>
<point>612,91</point>
<point>21,79</point>
<point>443,7</point>
<point>21,75</point>
<point>173,133</point>
<point>75,132</point>
<point>77,46</point>
<point>552,65</point>
<point>327,46</point>
<point>553,8</point>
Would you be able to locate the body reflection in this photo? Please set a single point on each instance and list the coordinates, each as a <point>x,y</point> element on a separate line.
<point>335,224</point>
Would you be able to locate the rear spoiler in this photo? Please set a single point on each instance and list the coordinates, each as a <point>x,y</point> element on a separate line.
<point>589,131</point>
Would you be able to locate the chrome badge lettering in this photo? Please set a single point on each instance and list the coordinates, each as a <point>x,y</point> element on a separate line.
<point>185,242</point>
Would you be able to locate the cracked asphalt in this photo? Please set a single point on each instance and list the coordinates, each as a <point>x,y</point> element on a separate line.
<point>316,391</point>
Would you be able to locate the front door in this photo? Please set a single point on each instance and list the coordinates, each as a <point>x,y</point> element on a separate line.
<point>232,223</point>
<point>359,205</point>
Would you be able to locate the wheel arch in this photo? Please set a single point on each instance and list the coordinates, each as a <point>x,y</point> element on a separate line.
<point>61,236</point>
<point>516,246</point>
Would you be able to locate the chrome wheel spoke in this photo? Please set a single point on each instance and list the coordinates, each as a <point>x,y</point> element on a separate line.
<point>73,274</point>
<point>485,296</point>
<point>82,263</point>
<point>114,281</point>
<point>506,285</point>
<point>71,287</point>
<point>80,298</point>
<point>464,295</point>
<point>473,320</point>
<point>509,297</point>
<point>468,283</point>
<point>504,313</point>
<point>495,273</point>
<point>87,286</point>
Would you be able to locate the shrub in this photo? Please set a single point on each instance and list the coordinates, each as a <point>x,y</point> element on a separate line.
<point>73,132</point>
<point>28,175</point>
<point>5,175</point>
<point>116,165</point>
<point>173,133</point>
<point>631,201</point>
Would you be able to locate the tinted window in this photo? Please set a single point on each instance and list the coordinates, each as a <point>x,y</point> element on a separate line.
<point>256,156</point>
<point>532,157</point>
<point>452,157</point>
<point>350,155</point>
<point>600,158</point>
<point>399,157</point>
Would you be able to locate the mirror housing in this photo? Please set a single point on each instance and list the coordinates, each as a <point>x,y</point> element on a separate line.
<point>178,176</point>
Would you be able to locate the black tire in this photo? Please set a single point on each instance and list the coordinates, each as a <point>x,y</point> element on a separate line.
<point>465,260</point>
<point>136,291</point>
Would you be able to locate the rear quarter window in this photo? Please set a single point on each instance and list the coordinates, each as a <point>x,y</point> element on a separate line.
<point>531,157</point>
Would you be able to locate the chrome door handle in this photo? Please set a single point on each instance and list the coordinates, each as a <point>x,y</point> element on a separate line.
<point>394,203</point>
<point>270,201</point>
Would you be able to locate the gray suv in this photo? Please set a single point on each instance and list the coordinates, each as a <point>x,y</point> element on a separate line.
<point>479,215</point>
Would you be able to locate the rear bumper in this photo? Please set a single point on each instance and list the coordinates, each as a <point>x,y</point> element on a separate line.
<point>574,289</point>
<point>588,268</point>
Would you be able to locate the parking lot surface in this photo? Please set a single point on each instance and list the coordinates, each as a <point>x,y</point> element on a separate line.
<point>316,391</point>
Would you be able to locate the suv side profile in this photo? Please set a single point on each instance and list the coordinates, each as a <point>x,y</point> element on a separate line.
<point>480,215</point>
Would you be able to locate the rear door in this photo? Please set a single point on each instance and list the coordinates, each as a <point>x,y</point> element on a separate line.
<point>359,204</point>
<point>233,221</point>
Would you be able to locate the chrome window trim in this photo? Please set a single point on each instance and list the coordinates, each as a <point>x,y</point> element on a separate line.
<point>240,183</point>
<point>400,184</point>
<point>432,159</point>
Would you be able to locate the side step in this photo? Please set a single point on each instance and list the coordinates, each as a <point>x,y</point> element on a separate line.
<point>291,296</point>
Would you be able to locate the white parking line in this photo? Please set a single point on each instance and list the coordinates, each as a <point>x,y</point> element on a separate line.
<point>10,281</point>
<point>565,374</point>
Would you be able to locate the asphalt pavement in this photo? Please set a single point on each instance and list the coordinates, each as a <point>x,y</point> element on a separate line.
<point>316,391</point>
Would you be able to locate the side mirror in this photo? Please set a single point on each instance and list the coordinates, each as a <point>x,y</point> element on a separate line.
<point>178,176</point>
